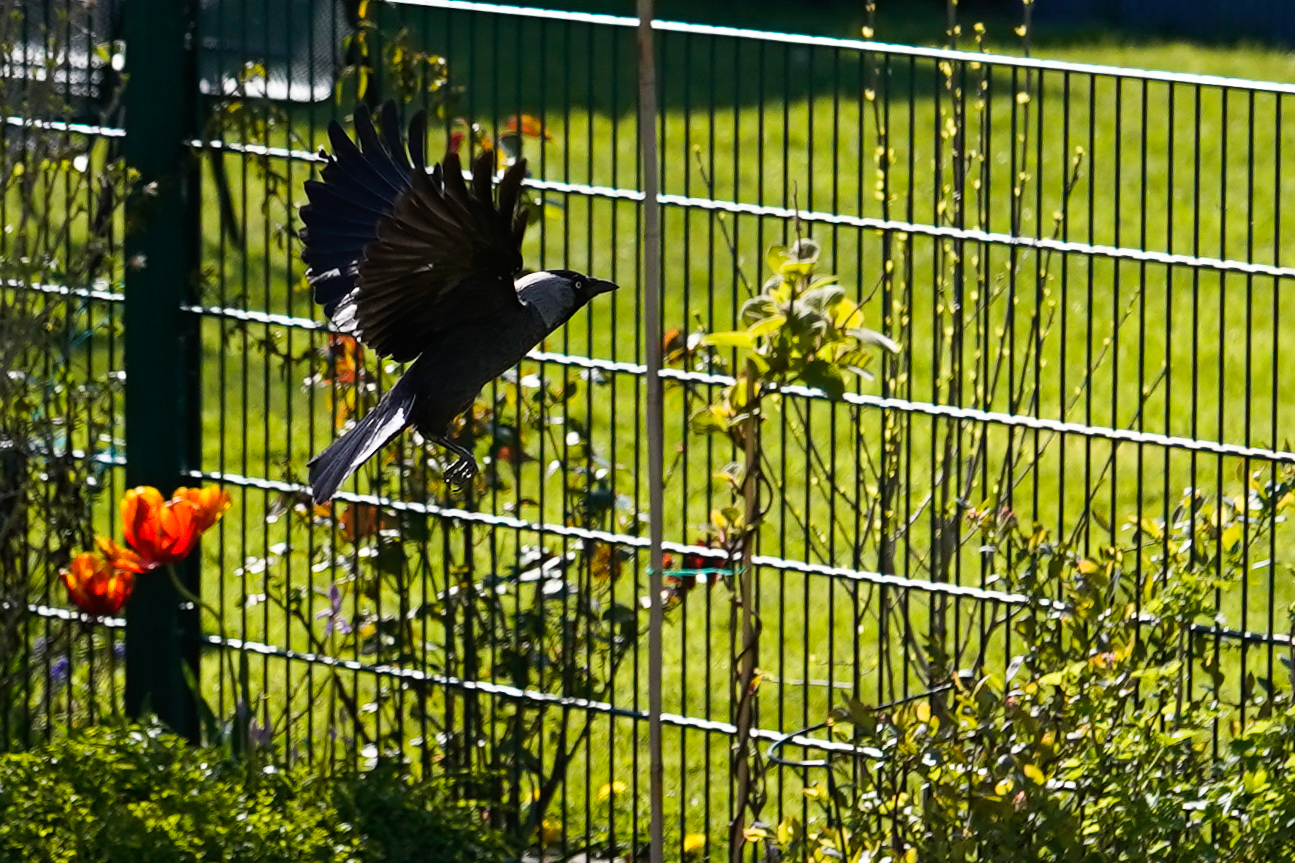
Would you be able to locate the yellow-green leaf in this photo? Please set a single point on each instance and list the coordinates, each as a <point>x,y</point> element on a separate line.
<point>796,268</point>
<point>776,257</point>
<point>765,327</point>
<point>742,341</point>
<point>845,314</point>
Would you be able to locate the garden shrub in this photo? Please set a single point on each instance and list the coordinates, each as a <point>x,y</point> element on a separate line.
<point>137,795</point>
<point>404,821</point>
<point>1119,731</point>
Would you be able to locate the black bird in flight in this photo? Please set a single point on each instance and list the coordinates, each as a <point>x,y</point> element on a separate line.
<point>421,266</point>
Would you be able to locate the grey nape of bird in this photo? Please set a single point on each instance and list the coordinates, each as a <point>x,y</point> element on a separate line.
<point>422,266</point>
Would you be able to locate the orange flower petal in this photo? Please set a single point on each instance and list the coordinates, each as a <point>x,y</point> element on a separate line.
<point>210,502</point>
<point>96,586</point>
<point>528,125</point>
<point>179,530</point>
<point>138,514</point>
<point>120,556</point>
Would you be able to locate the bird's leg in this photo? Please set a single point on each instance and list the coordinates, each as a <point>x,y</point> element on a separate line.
<point>464,468</point>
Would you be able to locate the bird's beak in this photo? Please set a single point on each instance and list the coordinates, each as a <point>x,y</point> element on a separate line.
<point>599,286</point>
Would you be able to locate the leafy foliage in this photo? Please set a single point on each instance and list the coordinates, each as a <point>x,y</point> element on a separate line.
<point>59,425</point>
<point>126,793</point>
<point>405,821</point>
<point>1108,737</point>
<point>801,328</point>
<point>132,794</point>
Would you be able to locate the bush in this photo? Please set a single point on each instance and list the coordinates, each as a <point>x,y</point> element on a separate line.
<point>1121,731</point>
<point>136,794</point>
<point>403,821</point>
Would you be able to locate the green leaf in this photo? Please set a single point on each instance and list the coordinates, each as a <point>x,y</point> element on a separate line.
<point>739,340</point>
<point>766,326</point>
<point>708,420</point>
<point>845,313</point>
<point>873,338</point>
<point>796,268</point>
<point>1053,678</point>
<point>825,376</point>
<point>776,257</point>
<point>804,250</point>
<point>824,298</point>
<point>759,308</point>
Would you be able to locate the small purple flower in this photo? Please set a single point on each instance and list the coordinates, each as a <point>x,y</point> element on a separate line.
<point>119,650</point>
<point>58,671</point>
<point>333,614</point>
<point>257,735</point>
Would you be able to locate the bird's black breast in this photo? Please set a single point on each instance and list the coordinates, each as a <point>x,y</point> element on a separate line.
<point>452,371</point>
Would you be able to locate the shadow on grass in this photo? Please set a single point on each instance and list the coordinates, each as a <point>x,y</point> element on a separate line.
<point>519,64</point>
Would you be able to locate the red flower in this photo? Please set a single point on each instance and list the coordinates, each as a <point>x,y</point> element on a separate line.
<point>159,532</point>
<point>163,532</point>
<point>96,586</point>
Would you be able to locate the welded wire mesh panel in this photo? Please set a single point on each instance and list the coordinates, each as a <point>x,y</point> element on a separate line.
<point>1082,268</point>
<point>60,363</point>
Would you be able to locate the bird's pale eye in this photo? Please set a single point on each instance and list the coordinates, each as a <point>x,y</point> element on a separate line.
<point>580,286</point>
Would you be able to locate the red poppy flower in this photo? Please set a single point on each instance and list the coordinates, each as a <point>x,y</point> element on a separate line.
<point>166,531</point>
<point>96,586</point>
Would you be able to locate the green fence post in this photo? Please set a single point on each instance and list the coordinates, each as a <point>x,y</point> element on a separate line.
<point>161,341</point>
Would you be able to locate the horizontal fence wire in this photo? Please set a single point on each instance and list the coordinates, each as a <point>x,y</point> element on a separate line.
<point>934,410</point>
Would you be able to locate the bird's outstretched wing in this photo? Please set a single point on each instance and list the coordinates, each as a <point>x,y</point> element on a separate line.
<point>396,255</point>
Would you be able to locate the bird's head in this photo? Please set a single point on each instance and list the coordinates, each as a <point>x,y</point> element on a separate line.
<point>559,294</point>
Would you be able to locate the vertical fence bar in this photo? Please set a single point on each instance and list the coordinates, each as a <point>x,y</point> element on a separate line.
<point>647,119</point>
<point>160,340</point>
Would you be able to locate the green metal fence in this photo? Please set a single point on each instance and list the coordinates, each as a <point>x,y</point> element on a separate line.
<point>1083,266</point>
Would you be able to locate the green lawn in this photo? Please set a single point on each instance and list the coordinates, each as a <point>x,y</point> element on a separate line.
<point>1193,173</point>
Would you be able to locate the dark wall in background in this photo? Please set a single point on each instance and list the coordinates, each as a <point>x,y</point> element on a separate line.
<point>1259,20</point>
<point>924,21</point>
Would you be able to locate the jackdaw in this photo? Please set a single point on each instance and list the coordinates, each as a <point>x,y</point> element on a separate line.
<point>421,266</point>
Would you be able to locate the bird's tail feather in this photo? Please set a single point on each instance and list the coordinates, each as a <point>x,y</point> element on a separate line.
<point>330,468</point>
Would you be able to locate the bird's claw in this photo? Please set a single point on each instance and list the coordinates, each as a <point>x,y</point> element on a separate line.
<point>461,472</point>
